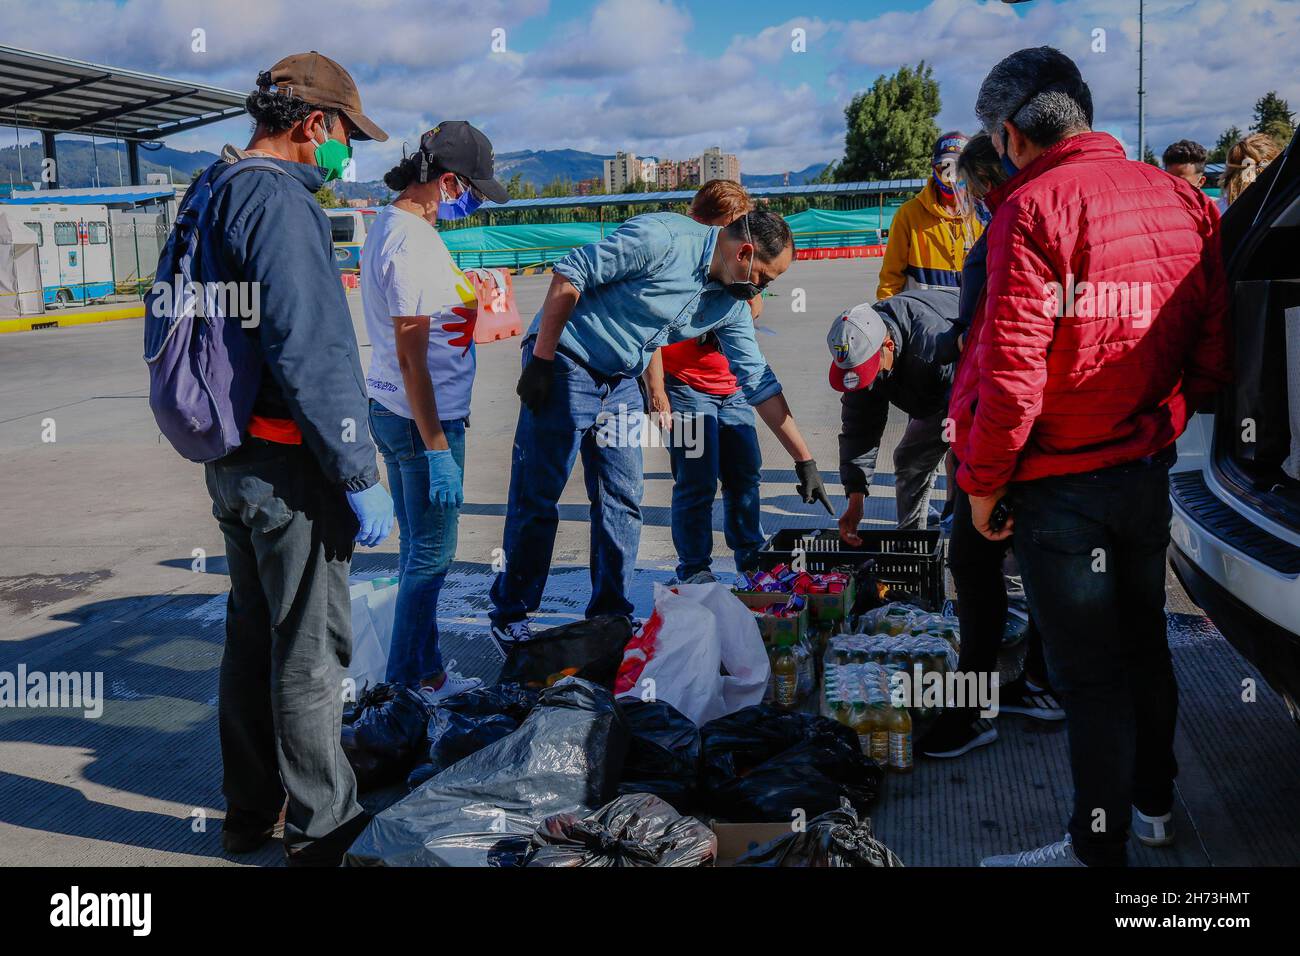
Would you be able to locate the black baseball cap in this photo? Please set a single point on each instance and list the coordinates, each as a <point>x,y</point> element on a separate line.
<point>460,148</point>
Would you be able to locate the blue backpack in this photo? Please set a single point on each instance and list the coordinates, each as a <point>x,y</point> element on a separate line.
<point>204,369</point>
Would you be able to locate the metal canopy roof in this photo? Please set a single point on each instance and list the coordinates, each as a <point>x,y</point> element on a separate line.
<point>92,195</point>
<point>686,195</point>
<point>58,95</point>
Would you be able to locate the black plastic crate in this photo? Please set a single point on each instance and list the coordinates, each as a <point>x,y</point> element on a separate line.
<point>912,560</point>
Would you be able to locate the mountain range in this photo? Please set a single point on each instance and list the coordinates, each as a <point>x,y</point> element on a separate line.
<point>77,161</point>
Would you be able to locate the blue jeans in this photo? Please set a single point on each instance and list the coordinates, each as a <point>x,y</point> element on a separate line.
<point>426,542</point>
<point>546,445</point>
<point>728,444</point>
<point>1091,550</point>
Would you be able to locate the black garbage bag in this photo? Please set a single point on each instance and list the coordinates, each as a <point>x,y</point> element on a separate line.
<point>590,649</point>
<point>383,734</point>
<point>637,829</point>
<point>468,722</point>
<point>835,838</point>
<point>761,764</point>
<point>463,724</point>
<point>663,756</point>
<point>565,757</point>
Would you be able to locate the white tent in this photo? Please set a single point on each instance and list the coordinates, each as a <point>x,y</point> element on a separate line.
<point>21,292</point>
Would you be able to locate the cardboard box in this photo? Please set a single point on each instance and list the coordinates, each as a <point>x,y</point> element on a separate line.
<point>737,839</point>
<point>770,625</point>
<point>824,609</point>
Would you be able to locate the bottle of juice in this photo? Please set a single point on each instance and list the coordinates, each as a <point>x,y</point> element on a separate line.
<point>860,719</point>
<point>785,675</point>
<point>899,722</point>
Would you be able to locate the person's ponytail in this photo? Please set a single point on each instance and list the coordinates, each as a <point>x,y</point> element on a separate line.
<point>401,175</point>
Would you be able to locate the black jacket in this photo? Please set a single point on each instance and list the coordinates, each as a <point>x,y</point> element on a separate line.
<point>923,326</point>
<point>274,234</point>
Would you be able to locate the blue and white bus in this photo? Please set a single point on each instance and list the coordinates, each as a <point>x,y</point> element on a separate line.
<point>76,255</point>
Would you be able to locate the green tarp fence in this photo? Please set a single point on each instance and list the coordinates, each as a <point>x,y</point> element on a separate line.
<point>536,245</point>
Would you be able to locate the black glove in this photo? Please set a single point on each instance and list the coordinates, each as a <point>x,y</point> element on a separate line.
<point>810,485</point>
<point>534,386</point>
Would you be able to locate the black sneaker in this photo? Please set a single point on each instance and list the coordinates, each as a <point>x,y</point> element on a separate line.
<point>506,636</point>
<point>957,734</point>
<point>1027,700</point>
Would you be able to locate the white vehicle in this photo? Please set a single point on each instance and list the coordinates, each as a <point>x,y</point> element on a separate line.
<point>76,257</point>
<point>1236,489</point>
<point>348,228</point>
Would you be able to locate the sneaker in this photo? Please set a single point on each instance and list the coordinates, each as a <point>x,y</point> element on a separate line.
<point>1023,698</point>
<point>1054,854</point>
<point>452,685</point>
<point>506,636</point>
<point>952,737</point>
<point>1153,831</point>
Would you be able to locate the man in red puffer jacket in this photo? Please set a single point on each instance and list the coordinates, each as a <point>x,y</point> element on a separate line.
<point>1101,332</point>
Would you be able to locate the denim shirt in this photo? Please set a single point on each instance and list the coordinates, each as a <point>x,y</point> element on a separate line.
<point>646,285</point>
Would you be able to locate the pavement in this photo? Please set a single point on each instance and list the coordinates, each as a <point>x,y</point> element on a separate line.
<point>111,562</point>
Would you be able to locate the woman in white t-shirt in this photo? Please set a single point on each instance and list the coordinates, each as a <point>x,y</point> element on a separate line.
<point>420,313</point>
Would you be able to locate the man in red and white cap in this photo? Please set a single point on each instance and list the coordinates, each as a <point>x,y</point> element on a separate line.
<point>900,351</point>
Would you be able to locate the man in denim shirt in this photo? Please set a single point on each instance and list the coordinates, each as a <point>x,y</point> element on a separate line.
<point>660,278</point>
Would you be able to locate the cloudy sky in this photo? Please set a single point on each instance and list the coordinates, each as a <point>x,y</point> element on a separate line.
<point>669,77</point>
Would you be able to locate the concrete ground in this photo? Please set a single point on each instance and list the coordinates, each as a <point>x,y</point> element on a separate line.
<point>111,562</point>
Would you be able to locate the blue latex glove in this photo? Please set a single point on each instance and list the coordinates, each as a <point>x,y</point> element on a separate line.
<point>374,509</point>
<point>446,482</point>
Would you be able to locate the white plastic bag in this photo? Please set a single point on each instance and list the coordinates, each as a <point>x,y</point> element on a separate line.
<point>373,605</point>
<point>700,651</point>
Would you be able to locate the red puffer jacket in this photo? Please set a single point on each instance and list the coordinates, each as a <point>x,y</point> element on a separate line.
<point>1103,322</point>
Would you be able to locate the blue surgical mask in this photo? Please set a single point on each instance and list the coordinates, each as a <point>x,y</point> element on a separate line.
<point>466,204</point>
<point>1008,166</point>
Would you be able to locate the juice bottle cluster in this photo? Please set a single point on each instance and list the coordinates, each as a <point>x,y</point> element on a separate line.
<point>899,619</point>
<point>856,693</point>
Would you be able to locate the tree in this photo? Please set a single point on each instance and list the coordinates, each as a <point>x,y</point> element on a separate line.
<point>328,198</point>
<point>517,188</point>
<point>890,127</point>
<point>1227,139</point>
<point>1273,116</point>
<point>1149,157</point>
<point>559,186</point>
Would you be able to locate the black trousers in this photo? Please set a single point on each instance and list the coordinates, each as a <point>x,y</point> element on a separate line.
<point>976,566</point>
<point>1091,549</point>
<point>289,535</point>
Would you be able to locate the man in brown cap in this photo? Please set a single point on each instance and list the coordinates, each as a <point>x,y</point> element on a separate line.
<point>303,486</point>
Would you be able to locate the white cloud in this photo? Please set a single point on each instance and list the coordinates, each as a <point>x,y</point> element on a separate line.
<point>629,74</point>
<point>1206,61</point>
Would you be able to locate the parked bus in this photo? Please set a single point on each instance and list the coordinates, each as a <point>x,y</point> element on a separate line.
<point>348,227</point>
<point>76,255</point>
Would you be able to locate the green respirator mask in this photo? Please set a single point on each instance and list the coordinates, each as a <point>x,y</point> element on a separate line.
<point>333,157</point>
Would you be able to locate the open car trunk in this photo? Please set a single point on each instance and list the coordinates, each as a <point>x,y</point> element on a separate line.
<point>1257,446</point>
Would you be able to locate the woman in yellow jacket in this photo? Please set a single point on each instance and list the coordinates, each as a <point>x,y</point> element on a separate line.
<point>931,233</point>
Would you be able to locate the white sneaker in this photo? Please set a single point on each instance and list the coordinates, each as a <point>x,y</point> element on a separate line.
<point>1153,831</point>
<point>506,636</point>
<point>1054,854</point>
<point>452,685</point>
